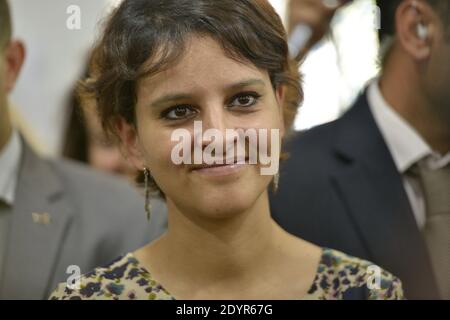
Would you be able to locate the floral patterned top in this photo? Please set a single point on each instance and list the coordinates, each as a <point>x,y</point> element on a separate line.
<point>338,276</point>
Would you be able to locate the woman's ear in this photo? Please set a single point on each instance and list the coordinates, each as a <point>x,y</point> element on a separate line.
<point>280,94</point>
<point>130,145</point>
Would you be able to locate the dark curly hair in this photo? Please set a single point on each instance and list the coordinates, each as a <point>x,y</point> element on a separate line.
<point>144,37</point>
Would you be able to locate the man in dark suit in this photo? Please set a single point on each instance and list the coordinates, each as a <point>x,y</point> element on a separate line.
<point>57,217</point>
<point>376,182</point>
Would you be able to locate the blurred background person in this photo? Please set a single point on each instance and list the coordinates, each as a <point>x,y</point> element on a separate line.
<point>56,57</point>
<point>53,213</point>
<point>85,141</point>
<point>335,66</point>
<point>378,179</point>
<point>308,22</point>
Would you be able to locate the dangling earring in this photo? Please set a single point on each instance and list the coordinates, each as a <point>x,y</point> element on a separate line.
<point>276,181</point>
<point>147,193</point>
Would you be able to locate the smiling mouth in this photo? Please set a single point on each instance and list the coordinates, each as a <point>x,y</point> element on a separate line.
<point>226,163</point>
<point>220,169</point>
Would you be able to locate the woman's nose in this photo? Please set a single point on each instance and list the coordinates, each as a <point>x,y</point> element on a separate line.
<point>215,123</point>
<point>214,117</point>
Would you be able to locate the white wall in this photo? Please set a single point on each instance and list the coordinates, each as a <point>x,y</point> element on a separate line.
<point>55,58</point>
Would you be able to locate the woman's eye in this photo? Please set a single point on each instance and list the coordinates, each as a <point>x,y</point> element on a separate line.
<point>179,112</point>
<point>245,100</point>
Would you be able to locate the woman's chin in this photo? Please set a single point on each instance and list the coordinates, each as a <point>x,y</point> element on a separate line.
<point>225,199</point>
<point>225,207</point>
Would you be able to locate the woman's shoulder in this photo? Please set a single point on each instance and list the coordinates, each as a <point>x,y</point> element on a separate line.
<point>123,278</point>
<point>341,276</point>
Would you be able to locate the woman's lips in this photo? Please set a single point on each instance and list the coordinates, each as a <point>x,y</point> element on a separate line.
<point>219,170</point>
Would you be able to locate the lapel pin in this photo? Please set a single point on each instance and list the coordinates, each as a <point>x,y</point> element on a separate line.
<point>41,218</point>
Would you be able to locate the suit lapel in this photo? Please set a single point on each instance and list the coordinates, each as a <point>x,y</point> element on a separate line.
<point>372,189</point>
<point>41,217</point>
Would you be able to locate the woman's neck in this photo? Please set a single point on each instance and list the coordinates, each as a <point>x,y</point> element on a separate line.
<point>218,249</point>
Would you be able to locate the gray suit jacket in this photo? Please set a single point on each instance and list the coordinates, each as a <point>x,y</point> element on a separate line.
<point>95,218</point>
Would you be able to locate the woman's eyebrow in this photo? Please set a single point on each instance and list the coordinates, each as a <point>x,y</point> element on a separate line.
<point>172,98</point>
<point>246,83</point>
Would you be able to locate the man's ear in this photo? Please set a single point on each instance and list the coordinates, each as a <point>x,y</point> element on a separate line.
<point>130,145</point>
<point>14,57</point>
<point>280,94</point>
<point>412,18</point>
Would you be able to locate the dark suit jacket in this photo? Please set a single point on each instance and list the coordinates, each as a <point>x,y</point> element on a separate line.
<point>340,189</point>
<point>95,218</point>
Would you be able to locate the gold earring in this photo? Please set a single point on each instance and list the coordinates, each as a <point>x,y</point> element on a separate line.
<point>147,205</point>
<point>276,181</point>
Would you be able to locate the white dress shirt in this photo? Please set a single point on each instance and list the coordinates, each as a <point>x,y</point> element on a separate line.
<point>407,148</point>
<point>9,168</point>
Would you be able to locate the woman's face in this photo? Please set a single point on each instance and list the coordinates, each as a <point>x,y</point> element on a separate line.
<point>222,93</point>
